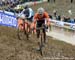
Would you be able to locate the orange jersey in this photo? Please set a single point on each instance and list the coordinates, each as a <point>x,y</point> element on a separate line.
<point>38,17</point>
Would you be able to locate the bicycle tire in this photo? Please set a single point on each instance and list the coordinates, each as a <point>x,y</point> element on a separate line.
<point>41,43</point>
<point>27,35</point>
<point>42,39</point>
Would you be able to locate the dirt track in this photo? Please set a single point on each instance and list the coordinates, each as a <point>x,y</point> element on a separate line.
<point>13,49</point>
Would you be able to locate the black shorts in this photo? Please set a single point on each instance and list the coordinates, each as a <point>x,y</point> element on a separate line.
<point>39,23</point>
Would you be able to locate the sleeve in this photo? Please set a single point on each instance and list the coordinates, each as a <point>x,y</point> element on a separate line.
<point>34,21</point>
<point>30,13</point>
<point>47,16</point>
<point>22,11</point>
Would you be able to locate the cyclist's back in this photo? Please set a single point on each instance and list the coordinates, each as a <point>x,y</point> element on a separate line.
<point>28,12</point>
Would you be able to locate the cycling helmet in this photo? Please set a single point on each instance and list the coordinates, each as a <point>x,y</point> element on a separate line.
<point>40,10</point>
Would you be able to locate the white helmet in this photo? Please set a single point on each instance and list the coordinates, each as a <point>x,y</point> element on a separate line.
<point>40,10</point>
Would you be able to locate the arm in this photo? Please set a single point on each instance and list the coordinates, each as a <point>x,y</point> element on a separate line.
<point>22,11</point>
<point>34,21</point>
<point>47,18</point>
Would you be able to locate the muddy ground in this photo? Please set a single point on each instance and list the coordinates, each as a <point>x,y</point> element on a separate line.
<point>11,48</point>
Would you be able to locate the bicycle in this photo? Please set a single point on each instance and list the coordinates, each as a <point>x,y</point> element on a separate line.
<point>42,38</point>
<point>22,30</point>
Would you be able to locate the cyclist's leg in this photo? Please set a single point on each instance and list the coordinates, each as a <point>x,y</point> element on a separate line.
<point>27,28</point>
<point>29,24</point>
<point>26,25</point>
<point>38,33</point>
<point>20,24</point>
<point>20,29</point>
<point>37,30</point>
<point>44,34</point>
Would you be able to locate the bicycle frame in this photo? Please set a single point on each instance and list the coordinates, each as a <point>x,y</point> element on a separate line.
<point>41,45</point>
<point>22,23</point>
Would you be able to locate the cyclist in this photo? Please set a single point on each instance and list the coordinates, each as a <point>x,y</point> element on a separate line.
<point>29,13</point>
<point>39,18</point>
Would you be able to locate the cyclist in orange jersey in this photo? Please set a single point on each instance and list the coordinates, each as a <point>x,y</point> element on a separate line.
<point>40,18</point>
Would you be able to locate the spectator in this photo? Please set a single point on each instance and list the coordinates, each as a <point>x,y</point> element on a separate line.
<point>55,16</point>
<point>10,9</point>
<point>1,3</point>
<point>66,19</point>
<point>50,16</point>
<point>71,1</point>
<point>54,1</point>
<point>48,1</point>
<point>71,21</point>
<point>62,18</point>
<point>58,17</point>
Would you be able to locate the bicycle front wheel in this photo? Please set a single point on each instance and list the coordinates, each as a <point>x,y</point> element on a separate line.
<point>20,33</point>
